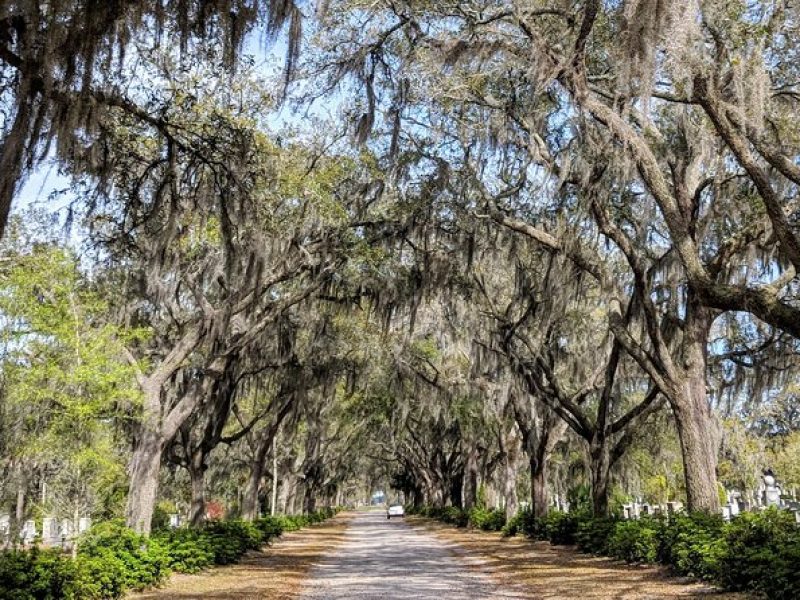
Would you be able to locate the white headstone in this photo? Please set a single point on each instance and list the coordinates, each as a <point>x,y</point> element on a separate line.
<point>174,521</point>
<point>772,491</point>
<point>726,512</point>
<point>66,529</point>
<point>28,532</point>
<point>5,524</point>
<point>84,523</point>
<point>50,531</point>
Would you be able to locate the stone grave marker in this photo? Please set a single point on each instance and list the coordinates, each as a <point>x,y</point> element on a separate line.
<point>84,524</point>
<point>772,491</point>
<point>50,534</point>
<point>66,529</point>
<point>28,532</point>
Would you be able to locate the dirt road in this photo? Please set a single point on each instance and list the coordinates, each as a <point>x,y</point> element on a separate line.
<point>383,559</point>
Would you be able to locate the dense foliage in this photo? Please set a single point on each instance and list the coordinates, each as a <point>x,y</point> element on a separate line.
<point>113,559</point>
<point>526,249</point>
<point>756,552</point>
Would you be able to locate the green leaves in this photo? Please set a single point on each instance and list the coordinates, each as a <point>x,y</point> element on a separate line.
<point>66,377</point>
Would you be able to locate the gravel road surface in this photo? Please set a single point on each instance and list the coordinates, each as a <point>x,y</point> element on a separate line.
<point>388,559</point>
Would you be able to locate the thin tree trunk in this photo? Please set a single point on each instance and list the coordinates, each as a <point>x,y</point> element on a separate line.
<point>470,494</point>
<point>197,474</point>
<point>19,512</point>
<point>144,470</point>
<point>274,499</point>
<point>510,480</point>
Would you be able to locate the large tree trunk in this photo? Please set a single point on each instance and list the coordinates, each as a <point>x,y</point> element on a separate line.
<point>697,426</point>
<point>600,465</point>
<point>310,501</point>
<point>144,469</point>
<point>250,504</point>
<point>540,498</point>
<point>698,432</point>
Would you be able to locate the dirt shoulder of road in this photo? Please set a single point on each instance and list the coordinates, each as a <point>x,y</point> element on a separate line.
<point>542,571</point>
<point>275,573</point>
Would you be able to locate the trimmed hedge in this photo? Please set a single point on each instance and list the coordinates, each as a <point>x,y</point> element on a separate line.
<point>113,559</point>
<point>755,552</point>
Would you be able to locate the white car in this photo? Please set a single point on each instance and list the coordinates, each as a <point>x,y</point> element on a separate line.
<point>395,510</point>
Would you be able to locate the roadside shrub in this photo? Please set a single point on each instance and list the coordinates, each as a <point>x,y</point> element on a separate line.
<point>112,559</point>
<point>635,541</point>
<point>560,527</point>
<point>517,523</point>
<point>189,550</point>
<point>135,560</point>
<point>692,544</point>
<point>231,539</point>
<point>487,520</point>
<point>39,575</point>
<point>455,516</point>
<point>762,553</point>
<point>756,552</point>
<point>271,527</point>
<point>592,535</point>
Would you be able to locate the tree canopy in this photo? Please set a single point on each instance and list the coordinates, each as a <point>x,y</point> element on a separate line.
<point>475,252</point>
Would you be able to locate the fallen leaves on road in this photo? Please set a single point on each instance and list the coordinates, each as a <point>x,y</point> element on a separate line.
<point>276,573</point>
<point>542,571</point>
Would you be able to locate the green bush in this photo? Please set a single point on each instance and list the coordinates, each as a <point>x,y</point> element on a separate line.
<point>561,527</point>
<point>635,541</point>
<point>41,575</point>
<point>134,562</point>
<point>517,524</point>
<point>592,535</point>
<point>758,552</point>
<point>113,559</point>
<point>271,527</point>
<point>692,544</point>
<point>231,539</point>
<point>456,516</point>
<point>189,550</point>
<point>487,520</point>
<point>762,553</point>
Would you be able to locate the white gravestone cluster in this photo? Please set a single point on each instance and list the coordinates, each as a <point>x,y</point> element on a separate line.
<point>769,494</point>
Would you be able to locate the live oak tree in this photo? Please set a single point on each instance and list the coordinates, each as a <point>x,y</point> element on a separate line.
<point>561,93</point>
<point>66,67</point>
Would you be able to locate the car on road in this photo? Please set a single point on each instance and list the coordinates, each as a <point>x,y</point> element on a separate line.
<point>395,510</point>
